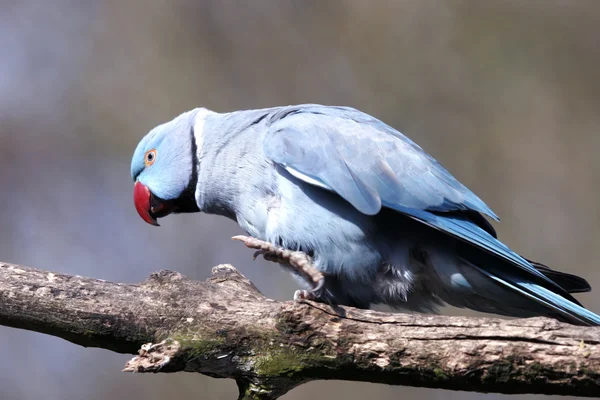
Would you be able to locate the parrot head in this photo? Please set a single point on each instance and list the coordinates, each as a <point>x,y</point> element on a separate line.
<point>164,170</point>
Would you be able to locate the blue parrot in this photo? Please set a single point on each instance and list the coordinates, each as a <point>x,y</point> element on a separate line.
<point>382,220</point>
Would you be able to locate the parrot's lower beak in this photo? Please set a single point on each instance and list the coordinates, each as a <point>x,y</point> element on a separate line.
<point>148,206</point>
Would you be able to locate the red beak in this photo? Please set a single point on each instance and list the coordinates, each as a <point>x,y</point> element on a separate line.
<point>142,198</point>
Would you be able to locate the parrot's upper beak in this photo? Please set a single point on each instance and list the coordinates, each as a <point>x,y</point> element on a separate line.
<point>149,206</point>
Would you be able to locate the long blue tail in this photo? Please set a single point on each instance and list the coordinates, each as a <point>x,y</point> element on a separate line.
<point>494,259</point>
<point>558,306</point>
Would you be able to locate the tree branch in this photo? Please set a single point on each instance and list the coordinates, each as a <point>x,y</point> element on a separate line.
<point>225,328</point>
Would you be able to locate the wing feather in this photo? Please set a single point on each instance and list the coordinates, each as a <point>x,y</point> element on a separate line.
<point>364,161</point>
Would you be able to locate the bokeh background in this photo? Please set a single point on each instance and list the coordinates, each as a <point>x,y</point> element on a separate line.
<point>504,93</point>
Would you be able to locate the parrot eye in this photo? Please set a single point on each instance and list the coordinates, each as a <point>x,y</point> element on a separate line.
<point>150,157</point>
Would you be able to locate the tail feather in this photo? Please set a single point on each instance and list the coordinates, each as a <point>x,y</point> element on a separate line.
<point>480,248</point>
<point>561,308</point>
<point>571,283</point>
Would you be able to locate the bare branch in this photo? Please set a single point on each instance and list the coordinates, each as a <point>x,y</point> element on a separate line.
<point>225,328</point>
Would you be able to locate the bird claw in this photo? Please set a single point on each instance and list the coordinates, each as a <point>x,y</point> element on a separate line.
<point>319,290</point>
<point>297,260</point>
<point>300,295</point>
<point>318,293</point>
<point>257,253</point>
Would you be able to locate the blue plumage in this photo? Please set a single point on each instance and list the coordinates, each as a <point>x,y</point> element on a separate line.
<point>364,161</point>
<point>383,220</point>
<point>170,174</point>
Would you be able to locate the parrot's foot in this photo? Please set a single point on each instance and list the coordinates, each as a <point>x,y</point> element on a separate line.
<point>300,295</point>
<point>298,260</point>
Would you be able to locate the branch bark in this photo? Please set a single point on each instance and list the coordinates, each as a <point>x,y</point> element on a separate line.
<point>225,328</point>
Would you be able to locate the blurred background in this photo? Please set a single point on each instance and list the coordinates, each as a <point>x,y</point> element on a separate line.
<point>505,94</point>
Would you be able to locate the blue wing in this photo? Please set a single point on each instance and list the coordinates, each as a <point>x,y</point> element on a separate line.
<point>365,161</point>
<point>371,165</point>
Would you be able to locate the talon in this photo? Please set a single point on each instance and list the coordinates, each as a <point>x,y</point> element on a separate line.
<point>300,295</point>
<point>257,253</point>
<point>319,288</point>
